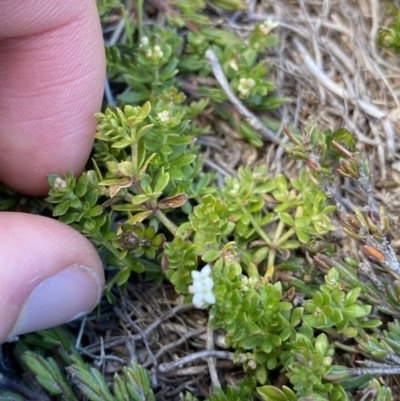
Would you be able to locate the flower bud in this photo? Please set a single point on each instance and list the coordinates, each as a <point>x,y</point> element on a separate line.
<point>252,364</point>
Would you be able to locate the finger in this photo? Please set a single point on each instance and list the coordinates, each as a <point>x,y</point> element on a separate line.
<point>52,70</point>
<point>57,277</point>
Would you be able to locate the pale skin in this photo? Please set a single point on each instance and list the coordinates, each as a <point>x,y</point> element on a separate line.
<point>52,72</point>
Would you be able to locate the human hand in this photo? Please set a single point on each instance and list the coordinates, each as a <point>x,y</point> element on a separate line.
<point>52,71</point>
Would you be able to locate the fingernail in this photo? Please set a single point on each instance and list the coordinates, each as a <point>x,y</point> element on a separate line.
<point>66,296</point>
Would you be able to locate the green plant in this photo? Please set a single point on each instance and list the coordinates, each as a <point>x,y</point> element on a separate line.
<point>389,36</point>
<point>290,305</point>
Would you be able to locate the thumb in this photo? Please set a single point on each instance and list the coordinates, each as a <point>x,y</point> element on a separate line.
<point>49,273</point>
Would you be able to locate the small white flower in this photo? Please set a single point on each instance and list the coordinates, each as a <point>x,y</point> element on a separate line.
<point>59,183</point>
<point>164,116</point>
<point>201,275</point>
<point>244,92</point>
<point>202,296</point>
<point>158,53</point>
<point>253,281</point>
<point>235,188</point>
<point>206,283</point>
<point>149,53</point>
<point>267,26</point>
<point>144,41</point>
<point>245,84</point>
<point>250,82</point>
<point>202,287</point>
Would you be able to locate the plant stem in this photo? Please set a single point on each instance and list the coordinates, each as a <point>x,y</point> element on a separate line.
<point>264,236</point>
<point>256,226</point>
<point>162,218</point>
<point>285,236</point>
<point>140,17</point>
<point>107,244</point>
<point>271,263</point>
<point>134,158</point>
<point>273,248</point>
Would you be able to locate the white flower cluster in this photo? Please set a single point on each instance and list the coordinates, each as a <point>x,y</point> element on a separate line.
<point>245,84</point>
<point>267,26</point>
<point>202,287</point>
<point>164,116</point>
<point>235,188</point>
<point>144,41</point>
<point>59,183</point>
<point>156,53</point>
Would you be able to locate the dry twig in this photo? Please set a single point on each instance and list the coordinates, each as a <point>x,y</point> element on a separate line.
<point>248,115</point>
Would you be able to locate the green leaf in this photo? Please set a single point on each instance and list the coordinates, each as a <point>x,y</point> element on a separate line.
<point>250,342</point>
<point>260,255</point>
<point>371,323</point>
<point>81,186</point>
<point>133,96</point>
<point>319,202</point>
<point>266,219</point>
<point>123,276</point>
<point>271,393</point>
<point>48,374</point>
<point>122,144</point>
<point>90,381</point>
<point>144,166</point>
<point>142,77</point>
<point>95,211</point>
<point>321,344</point>
<point>11,396</point>
<point>286,218</point>
<point>210,256</point>
<point>356,311</point>
<point>115,181</point>
<point>143,130</point>
<point>126,169</point>
<point>350,332</point>
<point>128,207</point>
<point>290,244</point>
<point>91,197</point>
<point>261,374</point>
<point>137,382</point>
<point>161,183</point>
<point>351,296</point>
<point>138,199</point>
<point>61,208</point>
<point>302,236</point>
<point>329,209</point>
<point>140,216</point>
<point>183,160</point>
<point>145,110</point>
<point>166,150</point>
<point>265,188</point>
<point>174,139</point>
<point>70,217</point>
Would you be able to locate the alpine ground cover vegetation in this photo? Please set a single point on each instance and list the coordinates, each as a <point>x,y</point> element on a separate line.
<point>279,272</point>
